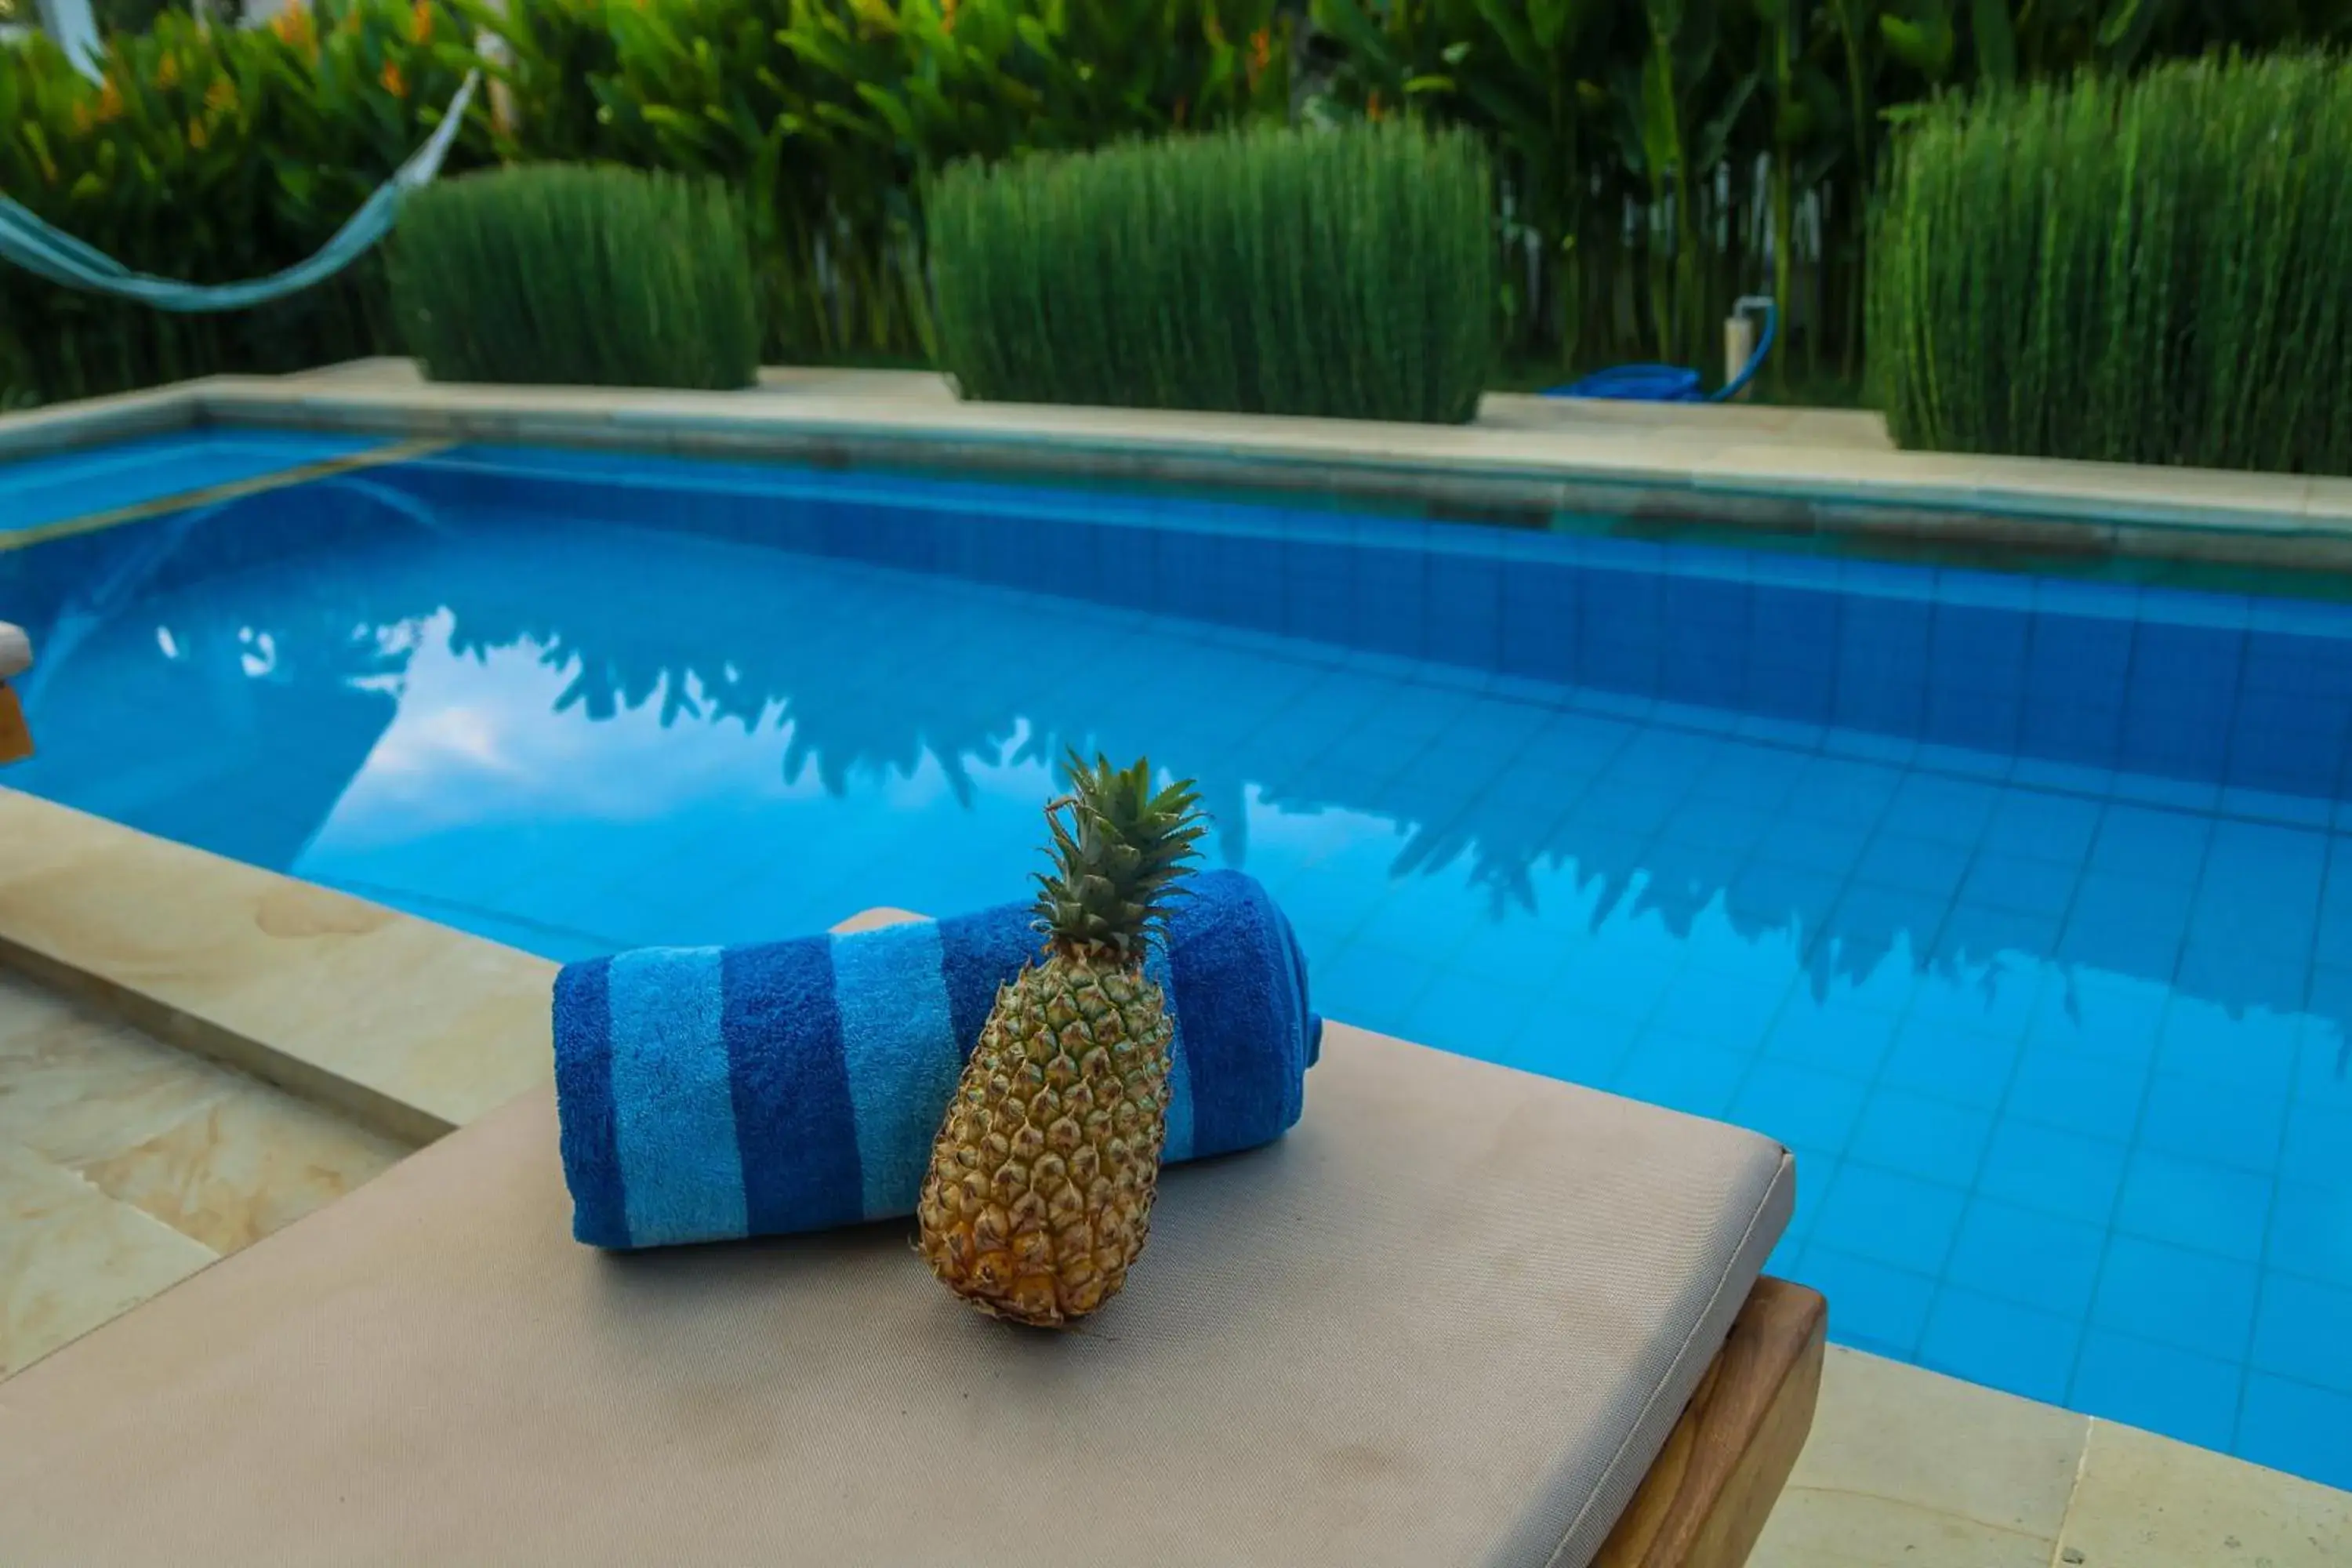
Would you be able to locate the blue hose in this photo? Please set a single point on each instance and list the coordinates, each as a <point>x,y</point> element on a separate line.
<point>1673,384</point>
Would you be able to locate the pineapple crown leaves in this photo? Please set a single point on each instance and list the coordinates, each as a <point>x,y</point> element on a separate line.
<point>1119,848</point>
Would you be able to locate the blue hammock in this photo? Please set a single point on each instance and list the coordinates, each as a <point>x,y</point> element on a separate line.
<point>48,252</point>
<point>1670,383</point>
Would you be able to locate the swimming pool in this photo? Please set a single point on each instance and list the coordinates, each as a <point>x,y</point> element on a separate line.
<point>2020,907</point>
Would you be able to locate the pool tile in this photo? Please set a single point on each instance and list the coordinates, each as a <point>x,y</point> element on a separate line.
<point>2302,1329</point>
<point>1682,1073</point>
<point>2041,824</point>
<point>1459,1012</point>
<point>2110,1018</point>
<point>1604,978</point>
<point>1799,1104</point>
<point>1840,792</point>
<point>2151,845</point>
<point>1942,810</point>
<point>1899,1219</point>
<point>2235,1125</point>
<point>1816,1173</point>
<point>2077,1094</point>
<point>1988,996</point>
<point>2209,1208</point>
<point>1825,848</point>
<point>1975,933</point>
<point>2311,1227</point>
<point>2161,1388</point>
<point>1520,950</point>
<point>2324,1059</point>
<point>1956,1066</point>
<point>1769,893</point>
<point>2130,925</point>
<point>1875,919</point>
<point>2298,1427</point>
<point>2249,1051</point>
<point>1913,865</point>
<point>1586,1050</point>
<point>2194,1301</point>
<point>2033,1258</point>
<point>1734,1013</point>
<point>1382,986</point>
<point>1872,1307</point>
<point>2022,883</point>
<point>2020,1350</point>
<point>2316,1138</point>
<point>1900,1130</point>
<point>1842,1036</point>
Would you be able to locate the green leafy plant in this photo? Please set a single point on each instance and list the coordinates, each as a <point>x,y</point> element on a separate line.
<point>1344,274</point>
<point>591,276</point>
<point>214,154</point>
<point>2147,270</point>
<point>1653,160</point>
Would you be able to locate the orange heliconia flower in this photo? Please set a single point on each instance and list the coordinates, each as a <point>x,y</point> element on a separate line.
<point>947,16</point>
<point>198,137</point>
<point>167,72</point>
<point>1373,104</point>
<point>420,21</point>
<point>221,97</point>
<point>392,81</point>
<point>293,26</point>
<point>109,103</point>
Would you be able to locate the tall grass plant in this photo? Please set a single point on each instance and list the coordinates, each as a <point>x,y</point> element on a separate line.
<point>589,276</point>
<point>1346,273</point>
<point>2152,270</point>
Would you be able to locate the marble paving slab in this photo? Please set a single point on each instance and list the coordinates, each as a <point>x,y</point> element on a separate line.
<point>127,1166</point>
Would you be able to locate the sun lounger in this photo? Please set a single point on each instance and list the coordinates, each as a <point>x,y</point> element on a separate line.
<point>1459,1315</point>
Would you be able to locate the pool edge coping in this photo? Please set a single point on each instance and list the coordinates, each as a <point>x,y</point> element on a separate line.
<point>407,1026</point>
<point>1656,478</point>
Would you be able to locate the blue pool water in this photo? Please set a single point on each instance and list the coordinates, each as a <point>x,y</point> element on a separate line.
<point>39,490</point>
<point>2020,908</point>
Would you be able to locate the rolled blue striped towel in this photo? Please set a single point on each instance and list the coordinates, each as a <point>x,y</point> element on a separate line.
<point>712,1093</point>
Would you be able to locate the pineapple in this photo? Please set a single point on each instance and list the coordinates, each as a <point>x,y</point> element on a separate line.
<point>1039,1193</point>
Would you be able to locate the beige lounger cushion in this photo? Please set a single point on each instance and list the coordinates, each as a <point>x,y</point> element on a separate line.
<point>15,651</point>
<point>1448,1320</point>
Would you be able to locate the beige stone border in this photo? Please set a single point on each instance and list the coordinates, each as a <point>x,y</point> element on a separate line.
<point>402,1025</point>
<point>1524,460</point>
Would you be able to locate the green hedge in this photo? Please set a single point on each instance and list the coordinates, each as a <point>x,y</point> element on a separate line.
<point>1345,273</point>
<point>1626,139</point>
<point>2153,271</point>
<point>587,276</point>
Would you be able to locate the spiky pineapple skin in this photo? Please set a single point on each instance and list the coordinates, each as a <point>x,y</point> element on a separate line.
<point>1038,1198</point>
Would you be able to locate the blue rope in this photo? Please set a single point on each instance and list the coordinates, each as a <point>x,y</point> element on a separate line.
<point>1670,383</point>
<point>49,252</point>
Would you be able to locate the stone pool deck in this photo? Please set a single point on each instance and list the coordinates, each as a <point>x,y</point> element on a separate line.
<point>127,1166</point>
<point>1663,467</point>
<point>193,1051</point>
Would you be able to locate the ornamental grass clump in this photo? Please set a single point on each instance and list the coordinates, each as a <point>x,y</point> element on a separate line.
<point>1347,273</point>
<point>592,277</point>
<point>2150,270</point>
